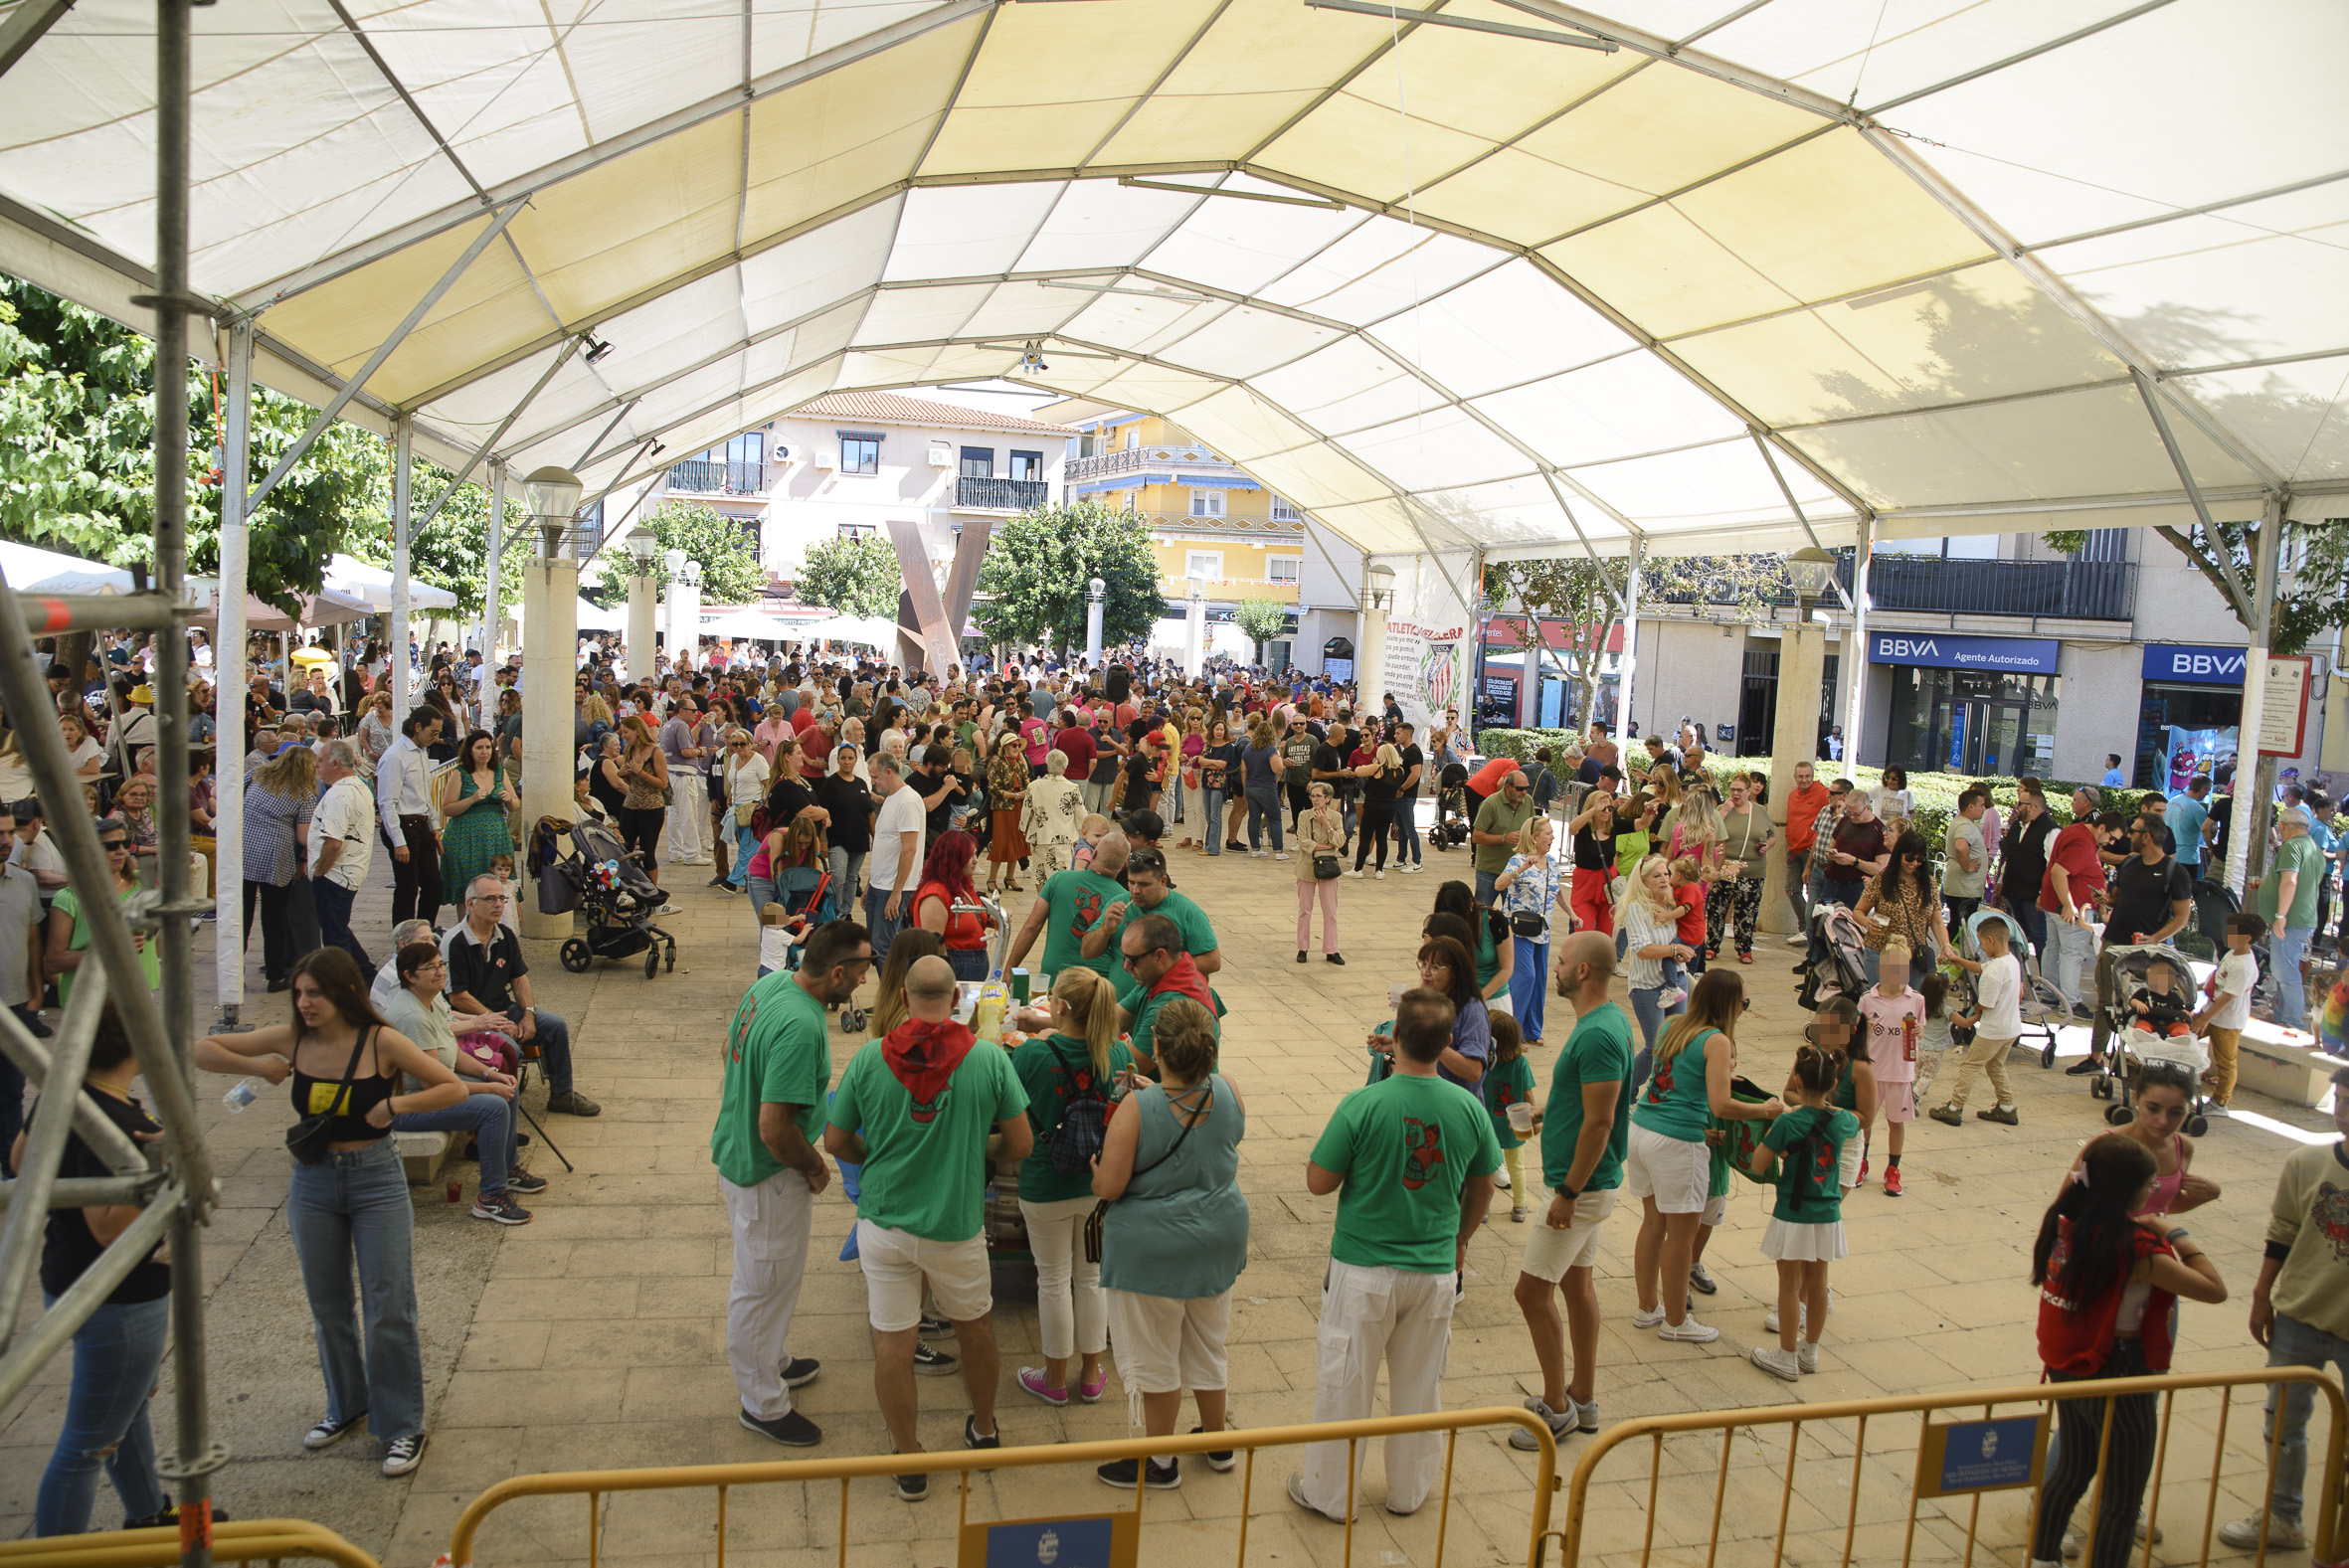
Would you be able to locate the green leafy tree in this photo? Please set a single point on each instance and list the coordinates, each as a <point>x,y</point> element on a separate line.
<point>2309,596</point>
<point>730,572</point>
<point>1031,584</point>
<point>1262,620</point>
<point>857,577</point>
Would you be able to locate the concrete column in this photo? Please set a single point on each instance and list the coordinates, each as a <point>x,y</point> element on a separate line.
<point>1369,659</point>
<point>1802,663</point>
<point>550,642</point>
<point>402,440</point>
<point>682,621</point>
<point>228,670</point>
<point>495,587</point>
<point>644,599</point>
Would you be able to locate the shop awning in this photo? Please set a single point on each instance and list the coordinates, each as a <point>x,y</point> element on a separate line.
<point>1131,481</point>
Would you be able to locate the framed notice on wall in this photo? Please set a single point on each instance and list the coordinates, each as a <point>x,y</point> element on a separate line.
<point>2284,711</point>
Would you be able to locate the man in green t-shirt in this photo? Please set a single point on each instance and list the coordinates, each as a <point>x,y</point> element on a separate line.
<point>1154,894</point>
<point>778,1061</point>
<point>915,1109</point>
<point>1585,1130</point>
<point>1411,1158</point>
<point>2288,898</point>
<point>1157,971</point>
<point>1494,832</point>
<point>1067,908</point>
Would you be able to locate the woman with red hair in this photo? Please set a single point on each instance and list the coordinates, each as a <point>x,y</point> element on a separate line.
<point>946,882</point>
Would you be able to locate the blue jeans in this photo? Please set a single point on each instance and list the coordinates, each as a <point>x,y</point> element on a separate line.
<point>1651,1016</point>
<point>745,844</point>
<point>2075,949</point>
<point>116,1356</point>
<point>553,1039</point>
<point>1264,806</point>
<point>762,891</point>
<point>1484,887</point>
<point>883,929</point>
<point>846,865</point>
<point>968,963</point>
<point>489,1118</point>
<point>332,901</point>
<point>1528,986</point>
<point>1407,831</point>
<point>350,1206</point>
<point>2292,1343</point>
<point>2285,949</point>
<point>1211,826</point>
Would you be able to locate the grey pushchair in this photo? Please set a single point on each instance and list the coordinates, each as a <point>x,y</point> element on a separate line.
<point>2132,1041</point>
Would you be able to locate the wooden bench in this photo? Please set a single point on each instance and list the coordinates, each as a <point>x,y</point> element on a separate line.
<point>2291,1070</point>
<point>422,1155</point>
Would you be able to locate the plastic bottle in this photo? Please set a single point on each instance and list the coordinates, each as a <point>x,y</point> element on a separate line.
<point>243,1094</point>
<point>987,1022</point>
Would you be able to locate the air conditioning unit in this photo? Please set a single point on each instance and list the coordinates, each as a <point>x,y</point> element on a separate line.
<point>941,454</point>
<point>785,451</point>
<point>828,458</point>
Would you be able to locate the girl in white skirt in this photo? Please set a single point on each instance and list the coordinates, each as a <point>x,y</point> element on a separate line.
<point>1806,1231</point>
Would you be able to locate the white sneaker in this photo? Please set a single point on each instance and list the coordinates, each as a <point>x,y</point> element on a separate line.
<point>1379,874</point>
<point>1650,1319</point>
<point>1806,1354</point>
<point>1500,1180</point>
<point>1280,854</point>
<point>1670,997</point>
<point>1802,1319</point>
<point>1354,872</point>
<point>1689,1332</point>
<point>2213,1109</point>
<point>1408,871</point>
<point>1776,1362</point>
<point>2283,1535</point>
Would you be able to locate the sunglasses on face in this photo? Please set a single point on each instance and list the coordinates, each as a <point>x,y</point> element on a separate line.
<point>110,845</point>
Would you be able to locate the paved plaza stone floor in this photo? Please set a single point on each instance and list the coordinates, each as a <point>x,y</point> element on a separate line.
<point>595,1336</point>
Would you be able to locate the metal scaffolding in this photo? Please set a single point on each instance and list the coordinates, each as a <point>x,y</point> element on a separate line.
<point>176,1196</point>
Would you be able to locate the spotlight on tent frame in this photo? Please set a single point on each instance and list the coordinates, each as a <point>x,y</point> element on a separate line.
<point>597,349</point>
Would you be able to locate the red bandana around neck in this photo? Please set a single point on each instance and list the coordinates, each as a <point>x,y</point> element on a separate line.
<point>924,1057</point>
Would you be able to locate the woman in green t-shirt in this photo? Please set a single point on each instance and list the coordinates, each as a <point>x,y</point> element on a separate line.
<point>69,925</point>
<point>1078,1059</point>
<point>1669,1166</point>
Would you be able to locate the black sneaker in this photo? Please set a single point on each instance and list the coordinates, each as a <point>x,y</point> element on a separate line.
<point>933,1363</point>
<point>1233,843</point>
<point>2084,1012</point>
<point>791,1429</point>
<point>401,1455</point>
<point>973,1440</point>
<point>718,881</point>
<point>1218,1460</point>
<point>330,1431</point>
<point>912,1488</point>
<point>1162,1476</point>
<point>934,1328</point>
<point>521,1181</point>
<point>499,1208</point>
<point>168,1517</point>
<point>800,1371</point>
<point>2083,1069</point>
<point>1334,957</point>
<point>30,1019</point>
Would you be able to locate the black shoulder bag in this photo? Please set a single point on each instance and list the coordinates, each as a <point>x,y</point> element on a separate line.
<point>308,1138</point>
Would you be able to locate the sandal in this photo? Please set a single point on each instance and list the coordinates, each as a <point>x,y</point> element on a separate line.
<point>1744,957</point>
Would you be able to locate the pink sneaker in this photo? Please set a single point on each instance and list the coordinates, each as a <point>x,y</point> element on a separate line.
<point>1091,1392</point>
<point>1032,1379</point>
<point>1671,997</point>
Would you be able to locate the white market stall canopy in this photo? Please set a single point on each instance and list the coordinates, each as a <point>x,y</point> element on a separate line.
<point>1944,260</point>
<point>372,585</point>
<point>754,625</point>
<point>592,617</point>
<point>871,632</point>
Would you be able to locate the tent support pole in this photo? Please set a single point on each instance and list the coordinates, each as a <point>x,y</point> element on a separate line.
<point>350,389</point>
<point>2267,563</point>
<point>1855,655</point>
<point>24,28</point>
<point>402,481</point>
<point>497,583</point>
<point>1796,507</point>
<point>496,436</point>
<point>1630,666</point>
<point>2202,510</point>
<point>228,669</point>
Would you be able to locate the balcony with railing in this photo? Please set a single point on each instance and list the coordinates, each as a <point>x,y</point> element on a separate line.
<point>1135,459</point>
<point>2069,590</point>
<point>708,476</point>
<point>972,494</point>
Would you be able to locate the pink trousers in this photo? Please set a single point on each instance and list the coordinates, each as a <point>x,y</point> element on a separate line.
<point>1305,897</point>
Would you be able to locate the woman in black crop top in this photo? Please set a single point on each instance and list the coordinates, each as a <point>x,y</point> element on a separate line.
<point>355,1203</point>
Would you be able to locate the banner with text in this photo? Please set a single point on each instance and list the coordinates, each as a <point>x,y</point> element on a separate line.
<point>1424,666</point>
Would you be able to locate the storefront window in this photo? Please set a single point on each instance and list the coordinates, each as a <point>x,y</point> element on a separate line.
<point>2183,731</point>
<point>1972,722</point>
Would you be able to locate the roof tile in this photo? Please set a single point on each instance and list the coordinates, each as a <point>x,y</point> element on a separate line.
<point>888,409</point>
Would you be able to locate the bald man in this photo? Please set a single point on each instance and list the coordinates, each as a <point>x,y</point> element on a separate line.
<point>1584,1133</point>
<point>1068,907</point>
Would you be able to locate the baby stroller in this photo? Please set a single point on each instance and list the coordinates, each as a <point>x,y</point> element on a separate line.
<point>1832,964</point>
<point>1451,807</point>
<point>2041,1005</point>
<point>618,896</point>
<point>2123,977</point>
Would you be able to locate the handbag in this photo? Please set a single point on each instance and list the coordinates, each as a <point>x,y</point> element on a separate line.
<point>1327,865</point>
<point>308,1138</point>
<point>1526,924</point>
<point>1097,1220</point>
<point>1084,1123</point>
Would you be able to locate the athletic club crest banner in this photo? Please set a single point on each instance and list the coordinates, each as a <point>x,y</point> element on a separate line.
<point>1422,670</point>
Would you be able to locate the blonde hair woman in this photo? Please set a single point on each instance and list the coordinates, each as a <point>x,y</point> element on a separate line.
<point>1382,776</point>
<point>1650,922</point>
<point>1077,1061</point>
<point>1049,812</point>
<point>277,830</point>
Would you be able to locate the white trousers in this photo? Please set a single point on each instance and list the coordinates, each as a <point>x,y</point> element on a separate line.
<point>1370,1315</point>
<point>1071,1315</point>
<point>769,1223</point>
<point>689,815</point>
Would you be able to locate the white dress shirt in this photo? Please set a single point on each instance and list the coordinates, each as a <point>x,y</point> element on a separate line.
<point>343,814</point>
<point>403,785</point>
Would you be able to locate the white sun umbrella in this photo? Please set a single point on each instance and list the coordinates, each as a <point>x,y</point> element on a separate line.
<point>372,584</point>
<point>757,625</point>
<point>870,631</point>
<point>591,617</point>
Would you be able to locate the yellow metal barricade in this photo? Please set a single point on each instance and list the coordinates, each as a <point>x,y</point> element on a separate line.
<point>1849,1419</point>
<point>722,1479</point>
<point>239,1540</point>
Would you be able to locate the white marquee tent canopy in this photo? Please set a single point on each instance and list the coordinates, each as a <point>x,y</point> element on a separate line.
<point>1937,260</point>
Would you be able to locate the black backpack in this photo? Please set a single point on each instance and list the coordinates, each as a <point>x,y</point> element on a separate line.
<point>1084,1121</point>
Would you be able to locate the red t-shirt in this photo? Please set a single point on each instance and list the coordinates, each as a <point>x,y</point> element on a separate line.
<point>1802,814</point>
<point>803,719</point>
<point>2074,849</point>
<point>1077,745</point>
<point>1691,899</point>
<point>1488,778</point>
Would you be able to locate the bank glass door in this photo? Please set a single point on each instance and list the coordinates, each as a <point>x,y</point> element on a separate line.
<point>1986,738</point>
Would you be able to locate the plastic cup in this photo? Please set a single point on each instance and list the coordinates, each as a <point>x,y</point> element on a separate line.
<point>1520,1118</point>
<point>1394,996</point>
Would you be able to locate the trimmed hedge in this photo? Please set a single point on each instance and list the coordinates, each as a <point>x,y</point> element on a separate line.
<point>1936,793</point>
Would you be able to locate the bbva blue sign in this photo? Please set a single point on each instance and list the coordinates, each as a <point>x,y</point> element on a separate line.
<point>2194,664</point>
<point>1949,650</point>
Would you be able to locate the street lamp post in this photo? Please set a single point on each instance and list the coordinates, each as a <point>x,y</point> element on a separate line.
<point>1802,657</point>
<point>1094,589</point>
<point>550,653</point>
<point>644,595</point>
<point>1195,625</point>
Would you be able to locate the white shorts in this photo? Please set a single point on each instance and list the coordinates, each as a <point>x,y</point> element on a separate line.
<point>1786,1242</point>
<point>1716,1209</point>
<point>1676,1173</point>
<point>1550,1252</point>
<point>1164,1345</point>
<point>897,1264</point>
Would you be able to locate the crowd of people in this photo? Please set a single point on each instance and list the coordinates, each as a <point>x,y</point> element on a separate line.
<point>871,797</point>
